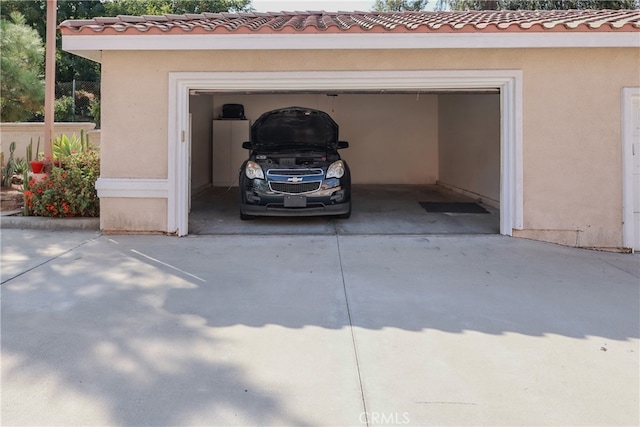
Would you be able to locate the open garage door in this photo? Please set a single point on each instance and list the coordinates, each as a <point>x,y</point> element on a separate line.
<point>421,163</point>
<point>402,129</point>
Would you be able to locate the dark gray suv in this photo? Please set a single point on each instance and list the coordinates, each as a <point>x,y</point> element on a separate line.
<point>294,168</point>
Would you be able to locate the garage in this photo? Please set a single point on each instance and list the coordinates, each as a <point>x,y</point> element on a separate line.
<point>527,81</point>
<point>417,112</point>
<point>406,148</point>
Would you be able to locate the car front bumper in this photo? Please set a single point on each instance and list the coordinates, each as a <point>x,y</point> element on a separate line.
<point>335,201</point>
<point>276,210</point>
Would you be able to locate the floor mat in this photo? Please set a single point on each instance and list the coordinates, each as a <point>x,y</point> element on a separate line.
<point>453,207</point>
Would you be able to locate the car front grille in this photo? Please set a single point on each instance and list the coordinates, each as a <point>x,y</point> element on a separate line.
<point>294,188</point>
<point>295,172</point>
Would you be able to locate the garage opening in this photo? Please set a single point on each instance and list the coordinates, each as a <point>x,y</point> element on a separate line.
<point>409,148</point>
<point>421,163</point>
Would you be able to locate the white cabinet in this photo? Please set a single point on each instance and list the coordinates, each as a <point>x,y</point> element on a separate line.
<point>228,154</point>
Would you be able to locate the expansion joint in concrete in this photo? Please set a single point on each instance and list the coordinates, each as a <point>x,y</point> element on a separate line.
<point>353,338</point>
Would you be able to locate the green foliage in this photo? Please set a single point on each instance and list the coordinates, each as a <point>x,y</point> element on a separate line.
<point>68,190</point>
<point>64,146</point>
<point>21,165</point>
<point>399,5</point>
<point>25,181</point>
<point>64,110</point>
<point>9,169</point>
<point>535,4</point>
<point>30,150</point>
<point>69,66</point>
<point>83,102</point>
<point>162,7</point>
<point>21,86</point>
<point>94,111</point>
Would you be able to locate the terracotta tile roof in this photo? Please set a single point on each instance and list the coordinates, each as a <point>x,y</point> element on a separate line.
<point>340,22</point>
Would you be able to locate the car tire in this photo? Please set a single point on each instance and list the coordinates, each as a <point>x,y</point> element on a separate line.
<point>245,217</point>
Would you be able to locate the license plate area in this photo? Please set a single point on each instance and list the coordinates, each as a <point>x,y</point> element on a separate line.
<point>295,201</point>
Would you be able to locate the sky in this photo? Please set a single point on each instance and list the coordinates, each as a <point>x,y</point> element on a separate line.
<point>326,5</point>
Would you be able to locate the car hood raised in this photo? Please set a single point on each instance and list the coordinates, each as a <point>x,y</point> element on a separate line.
<point>294,127</point>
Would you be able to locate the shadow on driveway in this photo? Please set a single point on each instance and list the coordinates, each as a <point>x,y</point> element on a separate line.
<point>314,330</point>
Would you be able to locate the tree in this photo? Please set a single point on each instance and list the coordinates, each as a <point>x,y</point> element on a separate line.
<point>162,7</point>
<point>535,4</point>
<point>70,67</point>
<point>399,5</point>
<point>22,84</point>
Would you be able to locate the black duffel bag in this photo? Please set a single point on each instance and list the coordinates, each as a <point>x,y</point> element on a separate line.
<point>233,111</point>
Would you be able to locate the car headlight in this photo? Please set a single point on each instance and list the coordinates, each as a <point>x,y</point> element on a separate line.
<point>253,170</point>
<point>336,170</point>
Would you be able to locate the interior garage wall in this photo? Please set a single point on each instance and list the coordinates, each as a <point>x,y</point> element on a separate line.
<point>469,149</point>
<point>393,139</point>
<point>201,110</point>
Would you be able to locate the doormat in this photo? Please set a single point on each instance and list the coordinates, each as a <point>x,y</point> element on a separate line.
<point>453,207</point>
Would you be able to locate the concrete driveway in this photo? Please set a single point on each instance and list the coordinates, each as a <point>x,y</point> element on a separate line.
<point>316,330</point>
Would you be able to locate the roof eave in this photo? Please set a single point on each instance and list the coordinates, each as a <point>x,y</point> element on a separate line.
<point>90,54</point>
<point>90,46</point>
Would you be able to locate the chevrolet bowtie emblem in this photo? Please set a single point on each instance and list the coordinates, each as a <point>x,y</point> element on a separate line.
<point>294,179</point>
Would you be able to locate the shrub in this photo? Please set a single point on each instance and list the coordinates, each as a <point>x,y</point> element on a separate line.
<point>9,169</point>
<point>21,166</point>
<point>83,102</point>
<point>68,190</point>
<point>64,146</point>
<point>94,111</point>
<point>63,109</point>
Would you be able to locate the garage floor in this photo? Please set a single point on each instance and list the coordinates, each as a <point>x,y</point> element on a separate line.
<point>377,209</point>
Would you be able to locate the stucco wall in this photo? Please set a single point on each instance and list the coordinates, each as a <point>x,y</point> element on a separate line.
<point>133,215</point>
<point>469,144</point>
<point>572,145</point>
<point>571,123</point>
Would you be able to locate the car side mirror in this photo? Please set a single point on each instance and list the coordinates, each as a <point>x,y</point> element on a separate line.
<point>343,144</point>
<point>246,145</point>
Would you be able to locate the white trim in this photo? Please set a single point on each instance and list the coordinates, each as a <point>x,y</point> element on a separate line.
<point>132,187</point>
<point>511,165</point>
<point>628,235</point>
<point>508,81</point>
<point>91,45</point>
<point>176,174</point>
